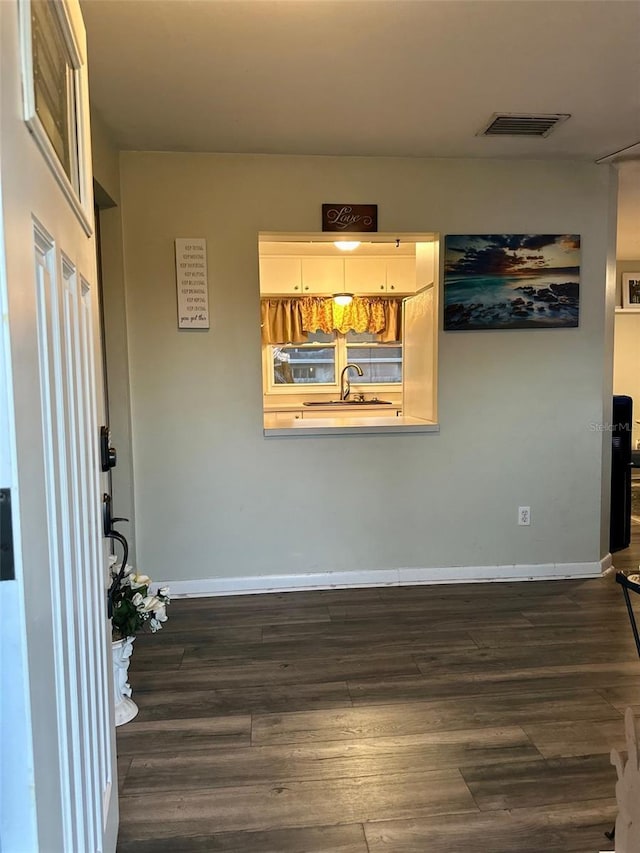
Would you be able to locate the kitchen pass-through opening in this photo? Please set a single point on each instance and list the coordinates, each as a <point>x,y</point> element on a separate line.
<point>349,331</point>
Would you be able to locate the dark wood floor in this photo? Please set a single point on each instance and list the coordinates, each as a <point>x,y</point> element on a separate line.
<point>475,719</point>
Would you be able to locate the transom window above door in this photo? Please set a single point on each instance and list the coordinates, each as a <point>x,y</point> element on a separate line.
<point>55,97</point>
<point>54,85</point>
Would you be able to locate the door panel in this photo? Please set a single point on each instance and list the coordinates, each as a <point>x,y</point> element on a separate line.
<point>47,254</point>
<point>67,384</point>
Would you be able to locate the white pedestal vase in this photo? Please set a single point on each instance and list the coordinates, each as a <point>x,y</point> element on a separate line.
<point>125,708</point>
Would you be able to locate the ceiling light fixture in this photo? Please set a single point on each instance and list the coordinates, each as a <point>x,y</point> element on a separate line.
<point>343,298</point>
<point>346,245</point>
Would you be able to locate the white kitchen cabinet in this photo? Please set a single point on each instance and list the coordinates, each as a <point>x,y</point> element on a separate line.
<point>281,275</point>
<point>380,275</point>
<point>365,275</point>
<point>401,275</point>
<point>322,276</point>
<point>419,324</point>
<point>425,264</point>
<point>351,412</point>
<point>283,418</point>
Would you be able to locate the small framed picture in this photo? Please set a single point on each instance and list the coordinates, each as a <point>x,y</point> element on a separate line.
<point>631,291</point>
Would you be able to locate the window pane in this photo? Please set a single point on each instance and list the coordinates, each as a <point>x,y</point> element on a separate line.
<point>378,363</point>
<point>53,81</point>
<point>303,365</point>
<point>321,337</point>
<point>362,337</point>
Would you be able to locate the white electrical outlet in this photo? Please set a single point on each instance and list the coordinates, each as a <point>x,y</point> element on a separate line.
<point>524,516</point>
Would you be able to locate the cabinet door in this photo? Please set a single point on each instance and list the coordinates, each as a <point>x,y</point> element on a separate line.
<point>401,275</point>
<point>322,275</point>
<point>365,275</point>
<point>351,412</point>
<point>284,418</point>
<point>280,275</point>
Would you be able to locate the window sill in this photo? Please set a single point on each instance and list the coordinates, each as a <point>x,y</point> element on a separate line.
<point>345,425</point>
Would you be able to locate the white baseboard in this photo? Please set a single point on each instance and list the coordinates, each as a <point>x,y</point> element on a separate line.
<point>606,564</point>
<point>382,577</point>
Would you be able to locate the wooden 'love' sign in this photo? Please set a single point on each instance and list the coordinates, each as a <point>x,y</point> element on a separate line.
<point>349,217</point>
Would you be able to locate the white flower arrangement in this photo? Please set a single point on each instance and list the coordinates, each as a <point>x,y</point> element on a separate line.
<point>132,605</point>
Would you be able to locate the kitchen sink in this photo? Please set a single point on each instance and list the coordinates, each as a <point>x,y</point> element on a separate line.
<point>350,403</point>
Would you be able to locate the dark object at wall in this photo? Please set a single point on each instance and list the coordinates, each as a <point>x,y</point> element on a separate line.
<point>7,568</point>
<point>621,464</point>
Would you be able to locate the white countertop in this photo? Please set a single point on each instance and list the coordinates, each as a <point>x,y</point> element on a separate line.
<point>345,425</point>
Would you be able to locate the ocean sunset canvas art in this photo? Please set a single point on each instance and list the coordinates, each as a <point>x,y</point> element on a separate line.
<point>511,281</point>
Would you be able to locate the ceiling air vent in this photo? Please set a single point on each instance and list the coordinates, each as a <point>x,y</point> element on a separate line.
<point>523,124</point>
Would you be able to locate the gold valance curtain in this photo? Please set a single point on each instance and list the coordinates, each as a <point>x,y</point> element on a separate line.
<point>288,321</point>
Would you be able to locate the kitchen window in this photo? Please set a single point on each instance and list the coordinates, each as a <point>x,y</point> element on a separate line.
<point>380,363</point>
<point>313,363</point>
<point>319,362</point>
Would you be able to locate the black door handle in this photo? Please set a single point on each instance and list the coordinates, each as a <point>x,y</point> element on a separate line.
<point>111,533</point>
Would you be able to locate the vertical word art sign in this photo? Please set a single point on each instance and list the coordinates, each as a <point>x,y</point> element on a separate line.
<point>192,283</point>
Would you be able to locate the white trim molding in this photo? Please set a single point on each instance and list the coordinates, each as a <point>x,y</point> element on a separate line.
<point>382,577</point>
<point>607,564</point>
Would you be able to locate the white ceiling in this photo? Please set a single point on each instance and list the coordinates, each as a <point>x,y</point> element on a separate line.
<point>365,77</point>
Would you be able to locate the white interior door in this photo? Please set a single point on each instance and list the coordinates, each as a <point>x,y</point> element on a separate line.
<point>59,792</point>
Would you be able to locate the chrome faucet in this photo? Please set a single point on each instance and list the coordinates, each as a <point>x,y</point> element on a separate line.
<point>345,385</point>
